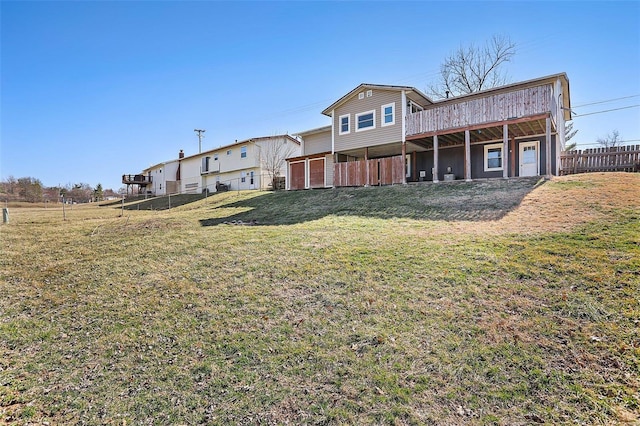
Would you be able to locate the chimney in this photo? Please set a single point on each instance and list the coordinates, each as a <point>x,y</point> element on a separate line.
<point>181,154</point>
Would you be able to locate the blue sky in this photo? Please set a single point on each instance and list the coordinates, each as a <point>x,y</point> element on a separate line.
<point>92,90</point>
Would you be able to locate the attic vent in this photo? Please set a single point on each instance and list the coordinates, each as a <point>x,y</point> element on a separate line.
<point>369,93</point>
<point>361,95</point>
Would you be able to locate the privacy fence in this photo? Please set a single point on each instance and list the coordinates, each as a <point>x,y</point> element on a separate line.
<point>618,159</point>
<point>381,171</point>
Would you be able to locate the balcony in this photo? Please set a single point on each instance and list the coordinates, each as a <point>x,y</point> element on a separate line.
<point>490,109</point>
<point>140,180</point>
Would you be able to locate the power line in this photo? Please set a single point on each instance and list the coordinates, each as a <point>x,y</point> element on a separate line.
<point>605,101</point>
<point>606,110</point>
<point>599,144</point>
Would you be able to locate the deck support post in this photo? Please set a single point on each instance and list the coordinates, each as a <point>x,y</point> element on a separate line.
<point>513,156</point>
<point>366,166</point>
<point>435,159</point>
<point>467,155</point>
<point>505,151</point>
<point>548,149</point>
<point>404,163</point>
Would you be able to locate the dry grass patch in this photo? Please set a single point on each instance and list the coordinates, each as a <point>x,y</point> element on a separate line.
<point>364,314</point>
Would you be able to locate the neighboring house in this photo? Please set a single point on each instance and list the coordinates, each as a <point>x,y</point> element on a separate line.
<point>395,134</point>
<point>164,177</point>
<point>249,164</point>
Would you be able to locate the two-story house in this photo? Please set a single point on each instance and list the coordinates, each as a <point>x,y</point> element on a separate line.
<point>394,134</point>
<point>250,164</point>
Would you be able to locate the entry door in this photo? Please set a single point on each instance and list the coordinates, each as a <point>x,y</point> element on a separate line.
<point>529,159</point>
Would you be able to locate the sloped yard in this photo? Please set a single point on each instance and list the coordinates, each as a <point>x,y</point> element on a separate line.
<point>514,302</point>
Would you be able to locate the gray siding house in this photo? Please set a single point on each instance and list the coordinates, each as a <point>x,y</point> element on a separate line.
<point>382,134</point>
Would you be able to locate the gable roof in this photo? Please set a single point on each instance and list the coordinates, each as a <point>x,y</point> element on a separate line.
<point>322,129</point>
<point>365,86</point>
<point>237,143</point>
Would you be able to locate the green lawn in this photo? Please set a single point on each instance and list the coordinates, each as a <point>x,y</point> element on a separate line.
<point>506,302</point>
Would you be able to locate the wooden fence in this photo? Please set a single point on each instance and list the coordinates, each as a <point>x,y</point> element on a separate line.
<point>382,171</point>
<point>618,159</point>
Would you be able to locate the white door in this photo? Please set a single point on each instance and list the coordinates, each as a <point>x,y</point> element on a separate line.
<point>529,159</point>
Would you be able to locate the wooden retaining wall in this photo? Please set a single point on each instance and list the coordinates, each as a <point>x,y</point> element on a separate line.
<point>618,159</point>
<point>382,171</point>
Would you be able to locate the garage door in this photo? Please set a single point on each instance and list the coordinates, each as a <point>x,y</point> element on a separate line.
<point>316,173</point>
<point>297,175</point>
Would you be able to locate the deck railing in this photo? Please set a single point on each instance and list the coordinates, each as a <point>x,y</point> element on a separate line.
<point>136,179</point>
<point>487,109</point>
<point>618,159</point>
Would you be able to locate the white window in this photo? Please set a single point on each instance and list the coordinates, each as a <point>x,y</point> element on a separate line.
<point>243,177</point>
<point>215,157</point>
<point>228,152</point>
<point>369,93</point>
<point>344,124</point>
<point>365,121</point>
<point>413,107</point>
<point>388,116</point>
<point>493,157</point>
<point>243,152</point>
<point>361,95</point>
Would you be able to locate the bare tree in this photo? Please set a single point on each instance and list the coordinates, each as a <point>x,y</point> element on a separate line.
<point>474,68</point>
<point>273,155</point>
<point>612,140</point>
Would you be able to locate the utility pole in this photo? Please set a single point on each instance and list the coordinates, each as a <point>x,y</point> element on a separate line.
<point>200,136</point>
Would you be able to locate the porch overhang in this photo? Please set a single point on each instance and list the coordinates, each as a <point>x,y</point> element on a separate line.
<point>484,132</point>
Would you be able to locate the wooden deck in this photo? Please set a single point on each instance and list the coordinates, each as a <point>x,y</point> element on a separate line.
<point>524,109</point>
<point>141,180</point>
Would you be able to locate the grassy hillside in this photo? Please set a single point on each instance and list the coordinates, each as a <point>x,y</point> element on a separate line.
<point>506,302</point>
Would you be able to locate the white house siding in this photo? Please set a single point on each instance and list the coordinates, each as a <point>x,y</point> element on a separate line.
<point>190,171</point>
<point>371,137</point>
<point>157,174</point>
<point>262,147</point>
<point>234,180</point>
<point>317,143</point>
<point>328,164</point>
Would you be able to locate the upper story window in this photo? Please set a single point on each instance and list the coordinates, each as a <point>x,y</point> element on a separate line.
<point>493,157</point>
<point>413,107</point>
<point>365,121</point>
<point>228,152</point>
<point>388,115</point>
<point>243,152</point>
<point>361,95</point>
<point>344,124</point>
<point>215,157</point>
<point>369,93</point>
